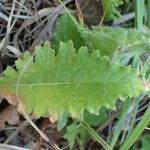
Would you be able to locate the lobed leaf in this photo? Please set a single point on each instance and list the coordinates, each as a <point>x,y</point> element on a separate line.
<point>108,40</point>
<point>69,81</point>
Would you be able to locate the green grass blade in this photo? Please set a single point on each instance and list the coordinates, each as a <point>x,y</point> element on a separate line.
<point>137,131</point>
<point>134,113</point>
<point>139,13</point>
<point>121,123</point>
<point>148,13</point>
<point>97,137</point>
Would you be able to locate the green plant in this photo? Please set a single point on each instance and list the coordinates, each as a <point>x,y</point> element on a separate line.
<point>69,80</point>
<point>145,142</point>
<point>139,12</point>
<point>137,131</point>
<point>120,40</point>
<point>110,9</point>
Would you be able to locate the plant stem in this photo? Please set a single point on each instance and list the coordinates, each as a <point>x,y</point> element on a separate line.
<point>137,131</point>
<point>139,10</point>
<point>148,13</point>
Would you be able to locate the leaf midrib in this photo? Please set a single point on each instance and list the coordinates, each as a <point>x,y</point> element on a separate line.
<point>53,84</point>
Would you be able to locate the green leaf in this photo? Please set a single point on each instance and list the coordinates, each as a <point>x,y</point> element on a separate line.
<point>65,30</point>
<point>79,132</point>
<point>145,142</point>
<point>110,40</point>
<point>84,136</point>
<point>110,9</point>
<point>69,81</point>
<point>127,39</point>
<point>101,41</point>
<point>95,120</point>
<point>62,121</point>
<point>146,69</point>
<point>71,134</point>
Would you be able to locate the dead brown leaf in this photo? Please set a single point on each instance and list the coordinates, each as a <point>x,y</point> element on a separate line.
<point>11,98</point>
<point>9,115</point>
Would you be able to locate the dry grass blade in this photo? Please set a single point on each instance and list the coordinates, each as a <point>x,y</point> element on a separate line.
<point>23,125</point>
<point>3,16</point>
<point>11,147</point>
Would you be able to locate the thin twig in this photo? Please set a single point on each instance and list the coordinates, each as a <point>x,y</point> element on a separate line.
<point>23,125</point>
